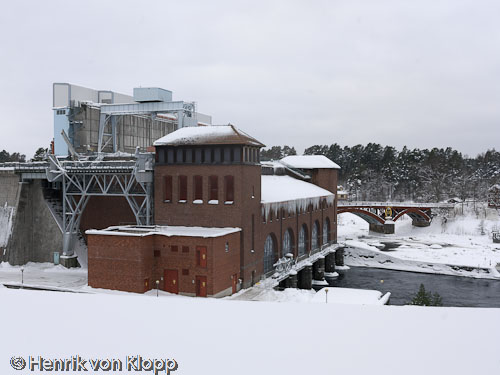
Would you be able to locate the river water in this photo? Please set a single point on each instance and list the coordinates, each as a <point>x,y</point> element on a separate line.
<point>454,291</point>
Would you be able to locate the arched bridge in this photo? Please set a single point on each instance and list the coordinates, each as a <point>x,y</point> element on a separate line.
<point>382,215</point>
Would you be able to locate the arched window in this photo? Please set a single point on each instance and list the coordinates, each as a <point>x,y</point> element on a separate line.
<point>315,236</point>
<point>303,239</point>
<point>288,242</point>
<point>269,253</point>
<point>326,231</point>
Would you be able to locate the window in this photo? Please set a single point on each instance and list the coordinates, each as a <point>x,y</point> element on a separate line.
<point>227,247</point>
<point>185,249</point>
<point>269,253</point>
<point>201,256</point>
<point>315,236</point>
<point>326,231</point>
<point>174,248</point>
<point>183,189</point>
<point>213,186</point>
<point>288,242</point>
<point>167,184</point>
<point>253,232</point>
<point>229,188</point>
<point>185,272</point>
<point>303,240</point>
<point>157,253</point>
<point>198,189</point>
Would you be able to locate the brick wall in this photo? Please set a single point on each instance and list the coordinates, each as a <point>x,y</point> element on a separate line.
<point>125,262</point>
<point>102,212</point>
<point>120,262</point>
<point>247,196</point>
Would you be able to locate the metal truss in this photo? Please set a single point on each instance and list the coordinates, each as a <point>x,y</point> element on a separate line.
<point>186,116</point>
<point>82,180</point>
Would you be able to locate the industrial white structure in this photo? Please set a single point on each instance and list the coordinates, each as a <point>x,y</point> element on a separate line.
<point>88,121</point>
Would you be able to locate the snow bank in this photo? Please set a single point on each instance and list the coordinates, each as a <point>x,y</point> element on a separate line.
<point>362,255</point>
<point>207,336</point>
<point>351,296</point>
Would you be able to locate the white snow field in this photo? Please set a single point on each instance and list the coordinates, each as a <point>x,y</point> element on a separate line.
<point>462,246</point>
<point>210,336</point>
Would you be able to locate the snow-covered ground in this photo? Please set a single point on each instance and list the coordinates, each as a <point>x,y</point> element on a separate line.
<point>460,246</point>
<point>209,336</point>
<point>44,275</point>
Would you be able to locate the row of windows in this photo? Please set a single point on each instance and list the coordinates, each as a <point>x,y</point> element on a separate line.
<point>271,253</point>
<point>197,189</point>
<point>207,155</point>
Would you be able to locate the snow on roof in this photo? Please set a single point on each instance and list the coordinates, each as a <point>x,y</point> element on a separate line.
<point>214,134</point>
<point>309,162</point>
<point>169,231</point>
<point>286,188</point>
<point>291,194</point>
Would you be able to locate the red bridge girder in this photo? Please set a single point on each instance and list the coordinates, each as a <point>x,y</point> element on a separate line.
<point>416,213</point>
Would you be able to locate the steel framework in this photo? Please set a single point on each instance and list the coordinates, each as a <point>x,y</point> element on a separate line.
<point>84,179</point>
<point>186,116</point>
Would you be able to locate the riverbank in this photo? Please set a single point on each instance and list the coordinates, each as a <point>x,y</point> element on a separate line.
<point>459,246</point>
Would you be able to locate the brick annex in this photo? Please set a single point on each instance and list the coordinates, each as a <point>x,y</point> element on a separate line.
<point>223,218</point>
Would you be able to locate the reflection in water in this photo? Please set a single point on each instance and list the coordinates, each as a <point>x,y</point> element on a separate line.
<point>455,291</point>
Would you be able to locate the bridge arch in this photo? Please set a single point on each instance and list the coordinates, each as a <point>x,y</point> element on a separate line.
<point>368,216</point>
<point>413,212</point>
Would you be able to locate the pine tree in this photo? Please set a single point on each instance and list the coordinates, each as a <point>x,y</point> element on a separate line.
<point>421,298</point>
<point>424,298</point>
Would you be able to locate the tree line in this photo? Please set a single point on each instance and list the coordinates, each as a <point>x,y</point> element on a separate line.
<point>376,172</point>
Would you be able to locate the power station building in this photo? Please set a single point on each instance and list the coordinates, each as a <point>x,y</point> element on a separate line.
<point>222,219</point>
<point>166,200</point>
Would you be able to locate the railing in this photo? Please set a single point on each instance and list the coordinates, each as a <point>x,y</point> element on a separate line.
<point>393,204</point>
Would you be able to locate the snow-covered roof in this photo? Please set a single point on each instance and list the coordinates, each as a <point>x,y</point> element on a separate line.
<point>169,231</point>
<point>288,193</point>
<point>286,188</point>
<point>309,162</point>
<point>208,135</point>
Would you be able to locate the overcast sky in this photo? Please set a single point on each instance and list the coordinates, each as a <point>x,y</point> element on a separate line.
<point>417,73</point>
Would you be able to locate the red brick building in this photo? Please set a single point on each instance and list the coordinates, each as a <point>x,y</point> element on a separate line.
<point>211,178</point>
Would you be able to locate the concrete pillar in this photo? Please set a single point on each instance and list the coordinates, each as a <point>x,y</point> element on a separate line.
<point>319,269</point>
<point>386,228</point>
<point>339,257</point>
<point>389,227</point>
<point>69,261</point>
<point>330,263</point>
<point>292,280</point>
<point>305,277</point>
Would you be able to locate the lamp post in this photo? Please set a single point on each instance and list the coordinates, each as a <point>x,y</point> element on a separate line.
<point>22,276</point>
<point>157,284</point>
<point>326,295</point>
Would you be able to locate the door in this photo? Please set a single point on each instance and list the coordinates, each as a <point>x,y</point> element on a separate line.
<point>235,282</point>
<point>201,256</point>
<point>171,280</point>
<point>146,285</point>
<point>201,286</point>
